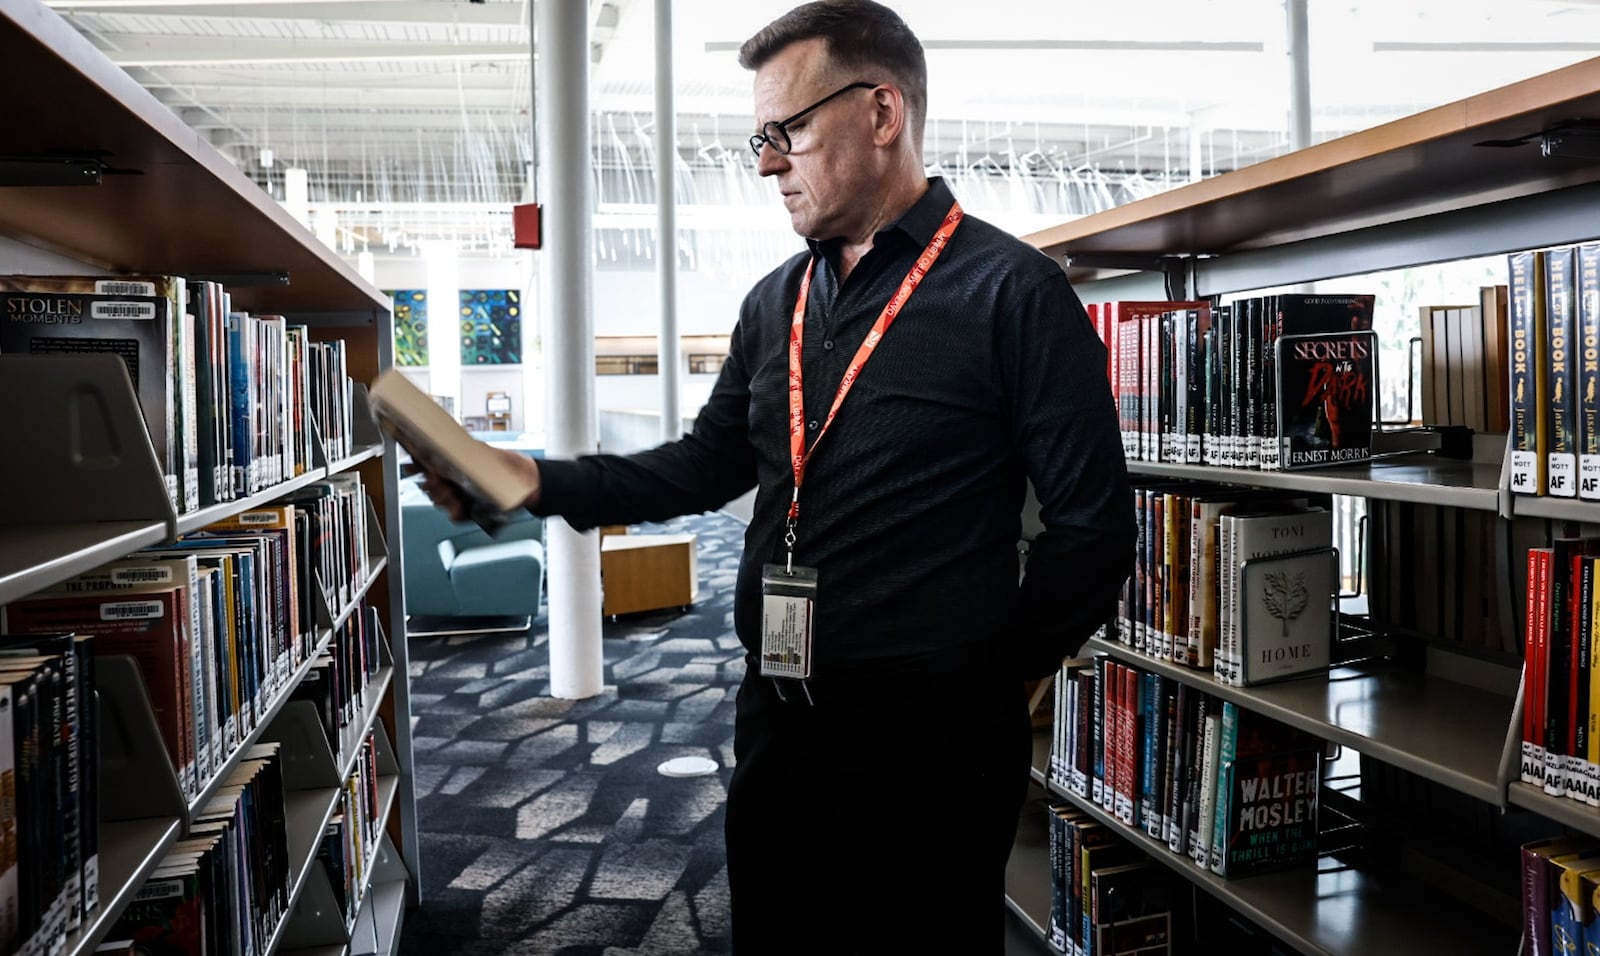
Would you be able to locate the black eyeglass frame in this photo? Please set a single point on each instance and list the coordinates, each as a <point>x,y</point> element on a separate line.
<point>776,132</point>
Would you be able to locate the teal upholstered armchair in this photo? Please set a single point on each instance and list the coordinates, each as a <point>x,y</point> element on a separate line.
<point>458,578</point>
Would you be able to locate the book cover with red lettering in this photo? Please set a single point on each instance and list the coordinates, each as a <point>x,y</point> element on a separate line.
<point>1326,389</point>
<point>1272,811</point>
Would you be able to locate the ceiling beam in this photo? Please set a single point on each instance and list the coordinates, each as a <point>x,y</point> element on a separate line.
<point>326,11</point>
<point>1143,46</point>
<point>153,52</point>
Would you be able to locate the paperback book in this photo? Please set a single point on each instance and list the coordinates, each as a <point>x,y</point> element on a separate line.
<point>1326,388</point>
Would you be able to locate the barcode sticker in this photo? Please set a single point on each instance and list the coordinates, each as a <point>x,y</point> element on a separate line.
<point>141,576</point>
<point>123,310</point>
<point>131,611</point>
<point>257,517</point>
<point>124,287</point>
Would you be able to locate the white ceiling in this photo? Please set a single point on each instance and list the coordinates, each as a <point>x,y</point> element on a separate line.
<point>428,100</point>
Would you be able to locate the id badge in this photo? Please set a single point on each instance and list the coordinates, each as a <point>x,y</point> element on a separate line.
<point>788,597</point>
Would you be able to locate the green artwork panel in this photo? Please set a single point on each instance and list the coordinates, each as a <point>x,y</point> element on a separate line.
<point>410,327</point>
<point>491,327</point>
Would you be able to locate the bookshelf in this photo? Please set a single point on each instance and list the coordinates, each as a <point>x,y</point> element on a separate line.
<point>168,203</point>
<point>1427,188</point>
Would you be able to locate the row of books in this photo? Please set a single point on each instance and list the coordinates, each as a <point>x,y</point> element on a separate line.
<point>1464,363</point>
<point>1231,579</point>
<point>1561,673</point>
<point>224,888</point>
<point>49,759</point>
<point>218,620</point>
<point>1560,895</point>
<point>1554,326</point>
<point>350,841</point>
<point>49,790</point>
<point>1233,790</point>
<point>233,401</point>
<point>337,681</point>
<point>1107,898</point>
<point>1267,382</point>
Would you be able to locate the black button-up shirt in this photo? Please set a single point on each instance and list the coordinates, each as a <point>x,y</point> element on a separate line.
<point>990,375</point>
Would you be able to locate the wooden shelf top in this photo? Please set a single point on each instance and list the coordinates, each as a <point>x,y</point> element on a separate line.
<point>173,205</point>
<point>1422,164</point>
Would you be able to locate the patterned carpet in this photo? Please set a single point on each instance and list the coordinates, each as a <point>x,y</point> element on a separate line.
<point>545,828</point>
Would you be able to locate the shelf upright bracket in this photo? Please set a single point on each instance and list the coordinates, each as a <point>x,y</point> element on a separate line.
<point>90,456</point>
<point>1177,271</point>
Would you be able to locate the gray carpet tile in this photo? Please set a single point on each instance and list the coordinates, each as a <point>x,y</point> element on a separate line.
<point>546,828</point>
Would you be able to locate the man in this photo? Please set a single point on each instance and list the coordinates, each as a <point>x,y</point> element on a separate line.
<point>873,802</point>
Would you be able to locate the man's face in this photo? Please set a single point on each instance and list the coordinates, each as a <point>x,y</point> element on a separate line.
<point>826,176</point>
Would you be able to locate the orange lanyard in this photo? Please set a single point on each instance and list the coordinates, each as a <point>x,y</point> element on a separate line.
<point>798,451</point>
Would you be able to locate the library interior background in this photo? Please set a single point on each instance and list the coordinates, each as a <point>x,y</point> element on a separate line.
<point>400,134</point>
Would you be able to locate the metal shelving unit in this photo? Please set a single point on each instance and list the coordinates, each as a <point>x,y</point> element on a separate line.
<point>92,490</point>
<point>1421,478</point>
<point>1448,732</point>
<point>1415,191</point>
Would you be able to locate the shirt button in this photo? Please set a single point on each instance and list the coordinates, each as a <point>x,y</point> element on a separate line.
<point>827,346</point>
<point>812,424</point>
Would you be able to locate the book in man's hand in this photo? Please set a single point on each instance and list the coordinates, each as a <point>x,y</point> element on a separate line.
<point>487,486</point>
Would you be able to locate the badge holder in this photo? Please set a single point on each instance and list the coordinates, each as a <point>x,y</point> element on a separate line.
<point>788,598</point>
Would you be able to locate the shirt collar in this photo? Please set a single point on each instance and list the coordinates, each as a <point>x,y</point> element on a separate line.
<point>918,224</point>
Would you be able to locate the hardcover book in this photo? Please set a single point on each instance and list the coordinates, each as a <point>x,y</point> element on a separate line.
<point>1561,373</point>
<point>1271,811</point>
<point>1529,410</point>
<point>1286,619</point>
<point>1587,302</point>
<point>1326,386</point>
<point>437,442</point>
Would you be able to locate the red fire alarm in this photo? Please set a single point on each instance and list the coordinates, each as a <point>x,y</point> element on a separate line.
<point>525,232</point>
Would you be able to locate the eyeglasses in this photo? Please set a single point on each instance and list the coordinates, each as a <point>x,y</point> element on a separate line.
<point>776,132</point>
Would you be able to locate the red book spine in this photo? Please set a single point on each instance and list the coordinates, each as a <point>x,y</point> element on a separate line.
<point>1530,669</point>
<point>1130,744</point>
<point>1541,640</point>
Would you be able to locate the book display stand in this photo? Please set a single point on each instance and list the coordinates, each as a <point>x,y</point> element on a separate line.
<point>1437,186</point>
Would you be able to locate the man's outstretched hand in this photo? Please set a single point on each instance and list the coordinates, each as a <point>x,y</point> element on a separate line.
<point>448,498</point>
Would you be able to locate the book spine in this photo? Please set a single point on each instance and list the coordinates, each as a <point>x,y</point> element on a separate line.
<point>1127,787</point>
<point>1578,784</point>
<point>1591,714</point>
<point>1255,332</point>
<point>1558,664</point>
<point>1180,747</point>
<point>1154,773</point>
<point>1561,460</point>
<point>1587,304</point>
<point>1528,408</point>
<point>1532,770</point>
<point>1097,734</point>
<point>1227,750</point>
<point>1206,799</point>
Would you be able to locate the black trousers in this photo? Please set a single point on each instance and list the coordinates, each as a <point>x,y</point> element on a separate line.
<point>878,819</point>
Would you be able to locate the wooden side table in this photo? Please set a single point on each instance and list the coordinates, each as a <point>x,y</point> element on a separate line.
<point>646,572</point>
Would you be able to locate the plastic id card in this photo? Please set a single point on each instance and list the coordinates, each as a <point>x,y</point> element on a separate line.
<point>788,596</point>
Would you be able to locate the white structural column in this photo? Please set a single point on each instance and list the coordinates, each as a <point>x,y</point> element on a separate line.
<point>1299,46</point>
<point>669,356</point>
<point>562,110</point>
<point>444,321</point>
